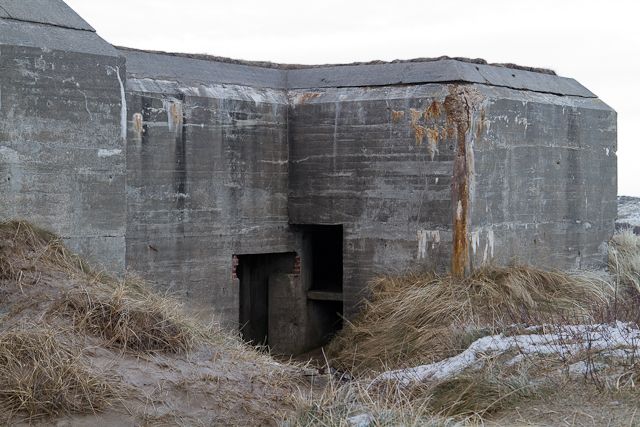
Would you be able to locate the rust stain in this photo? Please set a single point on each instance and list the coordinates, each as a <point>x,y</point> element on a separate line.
<point>307,96</point>
<point>137,124</point>
<point>433,136</point>
<point>451,131</point>
<point>415,116</point>
<point>176,113</point>
<point>433,111</point>
<point>458,112</point>
<point>418,130</point>
<point>396,116</point>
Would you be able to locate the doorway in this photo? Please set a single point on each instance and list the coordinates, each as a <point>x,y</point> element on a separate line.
<point>259,275</point>
<point>324,245</point>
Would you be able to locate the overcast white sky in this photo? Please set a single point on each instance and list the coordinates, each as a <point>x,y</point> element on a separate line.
<point>595,42</point>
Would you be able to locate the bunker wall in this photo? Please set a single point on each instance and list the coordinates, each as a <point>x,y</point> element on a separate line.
<point>453,177</point>
<point>378,161</point>
<point>62,160</point>
<point>207,178</point>
<point>544,182</point>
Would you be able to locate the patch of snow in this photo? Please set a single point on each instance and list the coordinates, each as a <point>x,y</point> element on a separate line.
<point>362,420</point>
<point>566,340</point>
<point>583,368</point>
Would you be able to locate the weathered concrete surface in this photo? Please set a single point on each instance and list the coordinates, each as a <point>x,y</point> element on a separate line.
<point>453,176</point>
<point>207,178</point>
<point>61,146</point>
<point>544,182</point>
<point>443,71</point>
<point>154,66</point>
<point>361,157</point>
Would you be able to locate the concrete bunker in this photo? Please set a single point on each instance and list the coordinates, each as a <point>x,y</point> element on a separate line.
<point>169,164</point>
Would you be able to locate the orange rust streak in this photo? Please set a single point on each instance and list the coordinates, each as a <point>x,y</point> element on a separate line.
<point>458,117</point>
<point>137,123</point>
<point>396,116</point>
<point>420,132</point>
<point>433,111</point>
<point>307,96</point>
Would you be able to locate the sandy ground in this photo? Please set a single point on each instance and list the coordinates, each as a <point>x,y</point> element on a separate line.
<point>206,388</point>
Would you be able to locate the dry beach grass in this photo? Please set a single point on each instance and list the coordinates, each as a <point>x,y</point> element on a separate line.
<point>82,347</point>
<point>130,316</point>
<point>415,319</point>
<point>624,260</point>
<point>42,375</point>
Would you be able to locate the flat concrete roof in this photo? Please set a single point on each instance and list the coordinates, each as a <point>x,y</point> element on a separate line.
<point>49,24</point>
<point>49,12</point>
<point>42,36</point>
<point>142,64</point>
<point>189,68</point>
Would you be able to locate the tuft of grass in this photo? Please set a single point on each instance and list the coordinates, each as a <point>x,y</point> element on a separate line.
<point>126,314</point>
<point>42,377</point>
<point>624,260</point>
<point>483,392</point>
<point>422,318</point>
<point>470,397</point>
<point>131,317</point>
<point>45,374</point>
<point>357,404</point>
<point>27,249</point>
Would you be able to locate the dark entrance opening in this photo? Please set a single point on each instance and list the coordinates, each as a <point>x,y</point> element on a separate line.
<point>293,304</point>
<point>326,256</point>
<point>324,245</point>
<point>258,275</point>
